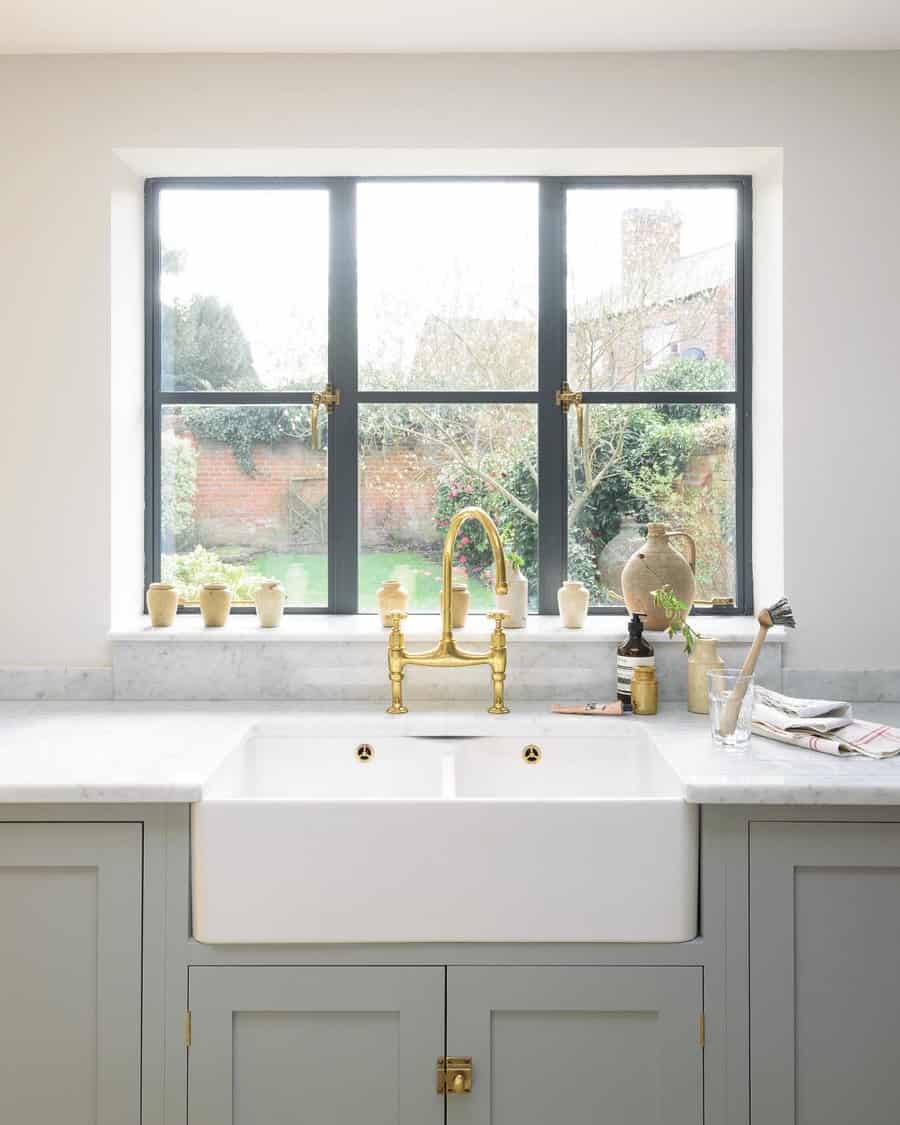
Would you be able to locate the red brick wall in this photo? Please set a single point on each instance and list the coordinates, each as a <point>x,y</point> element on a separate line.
<point>232,507</point>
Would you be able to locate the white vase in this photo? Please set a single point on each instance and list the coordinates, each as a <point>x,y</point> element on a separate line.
<point>269,599</point>
<point>515,603</point>
<point>573,604</point>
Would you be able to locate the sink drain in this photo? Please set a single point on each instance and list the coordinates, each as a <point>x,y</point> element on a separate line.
<point>532,754</point>
<point>365,752</point>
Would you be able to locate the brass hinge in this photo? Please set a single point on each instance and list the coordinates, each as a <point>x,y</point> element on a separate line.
<point>702,1035</point>
<point>187,1029</point>
<point>454,1075</point>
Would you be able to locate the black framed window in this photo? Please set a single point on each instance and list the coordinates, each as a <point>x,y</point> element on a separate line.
<point>436,322</point>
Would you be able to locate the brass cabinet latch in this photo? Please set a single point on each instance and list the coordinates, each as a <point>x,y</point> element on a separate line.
<point>454,1075</point>
<point>329,398</point>
<point>567,398</point>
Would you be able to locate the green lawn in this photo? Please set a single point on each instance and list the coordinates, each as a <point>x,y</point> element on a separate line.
<point>305,578</point>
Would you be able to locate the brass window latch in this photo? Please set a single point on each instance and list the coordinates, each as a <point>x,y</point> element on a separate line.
<point>329,398</point>
<point>454,1075</point>
<point>567,398</point>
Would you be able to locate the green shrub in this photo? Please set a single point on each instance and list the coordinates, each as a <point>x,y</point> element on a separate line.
<point>189,572</point>
<point>177,486</point>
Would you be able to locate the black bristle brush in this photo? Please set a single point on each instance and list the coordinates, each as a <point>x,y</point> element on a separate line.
<point>778,614</point>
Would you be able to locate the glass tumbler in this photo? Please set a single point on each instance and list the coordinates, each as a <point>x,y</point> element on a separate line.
<point>730,705</point>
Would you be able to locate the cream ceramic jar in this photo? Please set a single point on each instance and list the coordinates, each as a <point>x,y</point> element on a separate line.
<point>392,597</point>
<point>269,600</point>
<point>215,602</point>
<point>515,603</point>
<point>162,604</point>
<point>572,600</point>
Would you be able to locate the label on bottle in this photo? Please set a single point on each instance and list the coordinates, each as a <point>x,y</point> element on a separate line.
<point>625,666</point>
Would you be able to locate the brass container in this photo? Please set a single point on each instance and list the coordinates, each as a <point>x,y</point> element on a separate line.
<point>644,690</point>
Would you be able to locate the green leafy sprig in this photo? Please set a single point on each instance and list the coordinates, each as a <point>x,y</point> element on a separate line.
<point>676,613</point>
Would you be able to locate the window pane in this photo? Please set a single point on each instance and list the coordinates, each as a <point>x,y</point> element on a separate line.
<point>448,286</point>
<point>670,464</point>
<point>651,288</point>
<point>244,497</point>
<point>419,464</point>
<point>244,289</point>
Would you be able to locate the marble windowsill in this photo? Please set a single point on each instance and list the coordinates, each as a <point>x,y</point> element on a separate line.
<point>418,628</point>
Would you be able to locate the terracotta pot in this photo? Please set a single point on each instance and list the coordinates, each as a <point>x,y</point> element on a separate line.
<point>654,564</point>
<point>215,602</point>
<point>515,603</point>
<point>704,658</point>
<point>572,599</point>
<point>269,599</point>
<point>392,597</point>
<point>162,604</point>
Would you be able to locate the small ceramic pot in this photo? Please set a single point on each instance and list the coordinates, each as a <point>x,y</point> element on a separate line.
<point>162,604</point>
<point>459,604</point>
<point>215,602</point>
<point>269,600</point>
<point>392,597</point>
<point>704,658</point>
<point>644,690</point>
<point>572,599</point>
<point>515,603</point>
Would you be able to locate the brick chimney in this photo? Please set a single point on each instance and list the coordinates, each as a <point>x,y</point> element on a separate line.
<point>651,238</point>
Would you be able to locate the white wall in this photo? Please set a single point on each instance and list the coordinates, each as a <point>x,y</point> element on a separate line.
<point>834,116</point>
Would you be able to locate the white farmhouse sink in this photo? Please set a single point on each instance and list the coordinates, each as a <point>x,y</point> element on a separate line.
<point>444,839</point>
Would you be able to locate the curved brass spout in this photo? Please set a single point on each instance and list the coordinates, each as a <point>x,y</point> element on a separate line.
<point>500,582</point>
<point>446,653</point>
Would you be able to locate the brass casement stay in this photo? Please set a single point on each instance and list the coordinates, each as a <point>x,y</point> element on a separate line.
<point>187,1029</point>
<point>329,398</point>
<point>454,1075</point>
<point>567,398</point>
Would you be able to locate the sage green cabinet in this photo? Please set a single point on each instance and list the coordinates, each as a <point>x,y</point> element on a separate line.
<point>70,974</point>
<point>824,975</point>
<point>612,1044</point>
<point>277,1045</point>
<point>345,1045</point>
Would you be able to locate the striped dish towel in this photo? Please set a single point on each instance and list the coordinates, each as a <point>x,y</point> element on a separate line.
<point>826,725</point>
<point>872,740</point>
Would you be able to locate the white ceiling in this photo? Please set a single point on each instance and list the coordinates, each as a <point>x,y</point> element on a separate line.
<point>34,26</point>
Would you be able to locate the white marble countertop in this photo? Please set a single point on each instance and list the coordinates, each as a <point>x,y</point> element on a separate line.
<point>165,752</point>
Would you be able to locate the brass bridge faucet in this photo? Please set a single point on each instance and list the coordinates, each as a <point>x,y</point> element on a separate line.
<point>446,653</point>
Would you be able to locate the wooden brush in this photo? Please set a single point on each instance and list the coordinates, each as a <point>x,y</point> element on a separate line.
<point>778,614</point>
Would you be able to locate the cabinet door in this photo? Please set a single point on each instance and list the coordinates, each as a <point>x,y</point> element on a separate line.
<point>70,974</point>
<point>824,975</point>
<point>577,1045</point>
<point>325,1046</point>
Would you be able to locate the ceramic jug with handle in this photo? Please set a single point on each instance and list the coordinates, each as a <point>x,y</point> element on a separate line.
<point>654,564</point>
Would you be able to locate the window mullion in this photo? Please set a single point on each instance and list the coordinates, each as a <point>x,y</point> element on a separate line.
<point>343,445</point>
<point>552,499</point>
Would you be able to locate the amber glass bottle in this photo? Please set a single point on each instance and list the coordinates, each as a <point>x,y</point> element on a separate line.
<point>632,653</point>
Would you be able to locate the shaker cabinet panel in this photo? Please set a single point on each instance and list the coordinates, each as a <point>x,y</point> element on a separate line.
<point>70,973</point>
<point>573,1045</point>
<point>824,977</point>
<point>324,1046</point>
